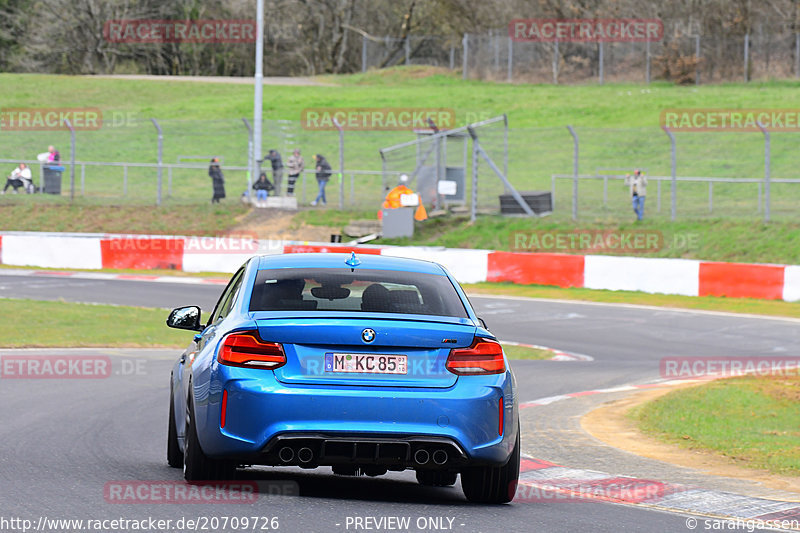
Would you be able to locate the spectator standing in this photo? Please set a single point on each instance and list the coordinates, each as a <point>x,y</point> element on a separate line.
<point>296,166</point>
<point>638,188</point>
<point>323,175</point>
<point>217,180</point>
<point>53,156</point>
<point>277,170</point>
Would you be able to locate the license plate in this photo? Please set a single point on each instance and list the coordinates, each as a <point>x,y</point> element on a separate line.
<point>367,363</point>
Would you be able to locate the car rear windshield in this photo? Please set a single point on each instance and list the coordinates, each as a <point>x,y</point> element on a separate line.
<point>369,291</point>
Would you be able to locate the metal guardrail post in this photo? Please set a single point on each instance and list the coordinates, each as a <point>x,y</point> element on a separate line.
<point>674,183</point>
<point>574,172</point>
<point>72,160</point>
<point>767,170</point>
<point>160,159</point>
<point>341,161</point>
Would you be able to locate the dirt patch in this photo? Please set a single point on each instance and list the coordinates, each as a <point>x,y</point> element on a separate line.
<point>281,224</point>
<point>610,424</point>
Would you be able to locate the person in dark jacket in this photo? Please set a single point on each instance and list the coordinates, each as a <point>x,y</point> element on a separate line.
<point>262,188</point>
<point>323,175</point>
<point>217,180</point>
<point>277,170</point>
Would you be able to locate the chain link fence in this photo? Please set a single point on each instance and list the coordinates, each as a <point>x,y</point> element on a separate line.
<point>684,54</point>
<point>720,174</point>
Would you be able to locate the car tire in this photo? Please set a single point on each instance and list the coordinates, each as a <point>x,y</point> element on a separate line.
<point>197,467</point>
<point>492,484</point>
<point>436,478</point>
<point>174,453</point>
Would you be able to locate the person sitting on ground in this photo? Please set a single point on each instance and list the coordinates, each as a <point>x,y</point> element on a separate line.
<point>20,177</point>
<point>262,188</point>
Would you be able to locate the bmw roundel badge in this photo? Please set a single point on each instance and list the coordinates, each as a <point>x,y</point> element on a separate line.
<point>368,335</point>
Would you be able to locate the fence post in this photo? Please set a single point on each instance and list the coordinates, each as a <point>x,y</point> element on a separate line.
<point>605,191</point>
<point>673,164</point>
<point>600,63</point>
<point>710,196</point>
<point>465,54</point>
<point>125,180</point>
<point>510,58</point>
<point>341,161</point>
<point>797,55</point>
<point>746,57</point>
<point>363,53</point>
<point>555,63</point>
<point>83,179</point>
<point>473,210</point>
<point>72,159</point>
<point>250,169</point>
<point>452,57</point>
<point>647,61</point>
<point>767,170</point>
<point>407,47</point>
<point>574,172</point>
<point>160,158</point>
<point>169,182</point>
<point>697,58</point>
<point>505,146</point>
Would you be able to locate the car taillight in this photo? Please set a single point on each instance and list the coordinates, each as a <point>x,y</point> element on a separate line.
<point>483,357</point>
<point>248,350</point>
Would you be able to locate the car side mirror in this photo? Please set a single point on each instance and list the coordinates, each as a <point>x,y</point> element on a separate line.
<point>185,318</point>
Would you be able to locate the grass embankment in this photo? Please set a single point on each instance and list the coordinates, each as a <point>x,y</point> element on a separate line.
<point>734,240</point>
<point>752,420</point>
<point>204,119</point>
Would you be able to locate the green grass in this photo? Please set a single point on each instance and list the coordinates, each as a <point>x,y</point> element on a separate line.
<point>618,125</point>
<point>514,351</point>
<point>30,323</point>
<point>736,240</point>
<point>704,303</point>
<point>752,420</point>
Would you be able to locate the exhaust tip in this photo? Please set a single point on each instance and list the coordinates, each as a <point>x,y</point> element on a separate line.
<point>305,455</point>
<point>440,457</point>
<point>421,456</point>
<point>286,454</point>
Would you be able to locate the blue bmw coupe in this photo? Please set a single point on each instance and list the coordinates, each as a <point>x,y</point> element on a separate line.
<point>364,364</point>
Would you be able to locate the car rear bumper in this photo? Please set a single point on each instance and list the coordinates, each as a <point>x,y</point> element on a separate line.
<point>262,414</point>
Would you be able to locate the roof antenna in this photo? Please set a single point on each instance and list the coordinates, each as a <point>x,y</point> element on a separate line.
<point>353,261</point>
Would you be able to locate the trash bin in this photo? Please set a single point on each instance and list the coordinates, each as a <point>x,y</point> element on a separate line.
<point>52,179</point>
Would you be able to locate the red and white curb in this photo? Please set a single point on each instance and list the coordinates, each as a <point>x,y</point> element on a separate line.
<point>546,482</point>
